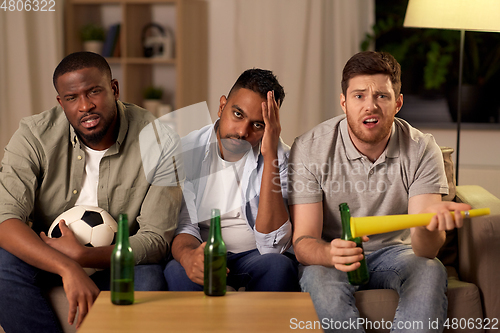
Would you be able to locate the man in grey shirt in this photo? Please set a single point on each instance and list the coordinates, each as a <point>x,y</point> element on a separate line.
<point>379,165</point>
<point>45,172</point>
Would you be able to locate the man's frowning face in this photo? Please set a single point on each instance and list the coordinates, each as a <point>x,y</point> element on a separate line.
<point>370,106</point>
<point>88,98</point>
<point>241,125</point>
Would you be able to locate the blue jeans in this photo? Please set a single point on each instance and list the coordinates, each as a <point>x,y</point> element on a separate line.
<point>24,306</point>
<point>420,282</point>
<point>250,269</point>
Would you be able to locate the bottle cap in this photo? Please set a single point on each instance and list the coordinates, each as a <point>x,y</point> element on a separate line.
<point>215,212</point>
<point>344,207</point>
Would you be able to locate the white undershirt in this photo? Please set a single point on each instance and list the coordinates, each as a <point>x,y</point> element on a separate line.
<point>223,191</point>
<point>88,194</point>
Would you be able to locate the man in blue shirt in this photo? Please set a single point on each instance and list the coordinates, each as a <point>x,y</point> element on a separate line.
<point>239,165</point>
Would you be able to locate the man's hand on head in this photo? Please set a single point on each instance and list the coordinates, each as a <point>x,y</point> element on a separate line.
<point>272,130</point>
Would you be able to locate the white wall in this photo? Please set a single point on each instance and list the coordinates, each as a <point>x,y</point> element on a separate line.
<point>306,43</point>
<point>479,155</point>
<point>30,49</point>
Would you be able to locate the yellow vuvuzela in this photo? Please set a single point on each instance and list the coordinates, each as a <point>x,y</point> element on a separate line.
<point>371,225</point>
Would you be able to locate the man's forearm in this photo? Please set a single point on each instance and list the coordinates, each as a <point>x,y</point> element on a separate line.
<point>310,250</point>
<point>20,240</point>
<point>427,243</point>
<point>182,245</point>
<point>272,212</point>
<point>158,221</point>
<point>96,257</point>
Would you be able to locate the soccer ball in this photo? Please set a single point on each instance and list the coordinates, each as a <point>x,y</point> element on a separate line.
<point>92,226</point>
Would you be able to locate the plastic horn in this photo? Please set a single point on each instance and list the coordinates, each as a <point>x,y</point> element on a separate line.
<point>371,225</point>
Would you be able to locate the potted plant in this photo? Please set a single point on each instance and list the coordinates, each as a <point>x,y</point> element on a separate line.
<point>429,60</point>
<point>92,36</point>
<point>481,74</point>
<point>425,55</point>
<point>152,98</point>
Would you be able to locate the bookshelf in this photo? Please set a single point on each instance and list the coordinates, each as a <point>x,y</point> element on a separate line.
<point>183,77</point>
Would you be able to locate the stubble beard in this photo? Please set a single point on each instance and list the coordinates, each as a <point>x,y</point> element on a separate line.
<point>95,138</point>
<point>358,132</point>
<point>227,147</point>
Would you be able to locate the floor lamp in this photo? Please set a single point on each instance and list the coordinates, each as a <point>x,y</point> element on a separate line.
<point>474,15</point>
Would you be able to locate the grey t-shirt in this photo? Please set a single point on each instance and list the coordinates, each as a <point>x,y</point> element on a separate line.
<point>325,166</point>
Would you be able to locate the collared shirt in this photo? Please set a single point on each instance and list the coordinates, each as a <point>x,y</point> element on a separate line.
<point>42,170</point>
<point>325,166</point>
<point>197,159</point>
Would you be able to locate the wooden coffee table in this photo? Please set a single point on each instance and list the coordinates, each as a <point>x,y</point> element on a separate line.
<point>194,312</point>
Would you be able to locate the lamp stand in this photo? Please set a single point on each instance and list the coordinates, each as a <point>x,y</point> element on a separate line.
<point>459,106</point>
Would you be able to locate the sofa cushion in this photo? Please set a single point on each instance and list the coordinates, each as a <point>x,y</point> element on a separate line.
<point>60,303</point>
<point>450,173</point>
<point>464,303</point>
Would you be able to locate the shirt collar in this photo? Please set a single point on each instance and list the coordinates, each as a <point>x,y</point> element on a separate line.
<point>122,133</point>
<point>393,145</point>
<point>72,134</point>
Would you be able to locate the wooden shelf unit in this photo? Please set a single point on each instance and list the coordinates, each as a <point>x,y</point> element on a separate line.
<point>186,82</point>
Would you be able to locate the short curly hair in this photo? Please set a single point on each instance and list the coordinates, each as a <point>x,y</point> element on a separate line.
<point>371,63</point>
<point>80,60</point>
<point>260,81</point>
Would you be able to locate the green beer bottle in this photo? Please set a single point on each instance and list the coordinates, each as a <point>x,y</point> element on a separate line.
<point>122,266</point>
<point>214,283</point>
<point>361,275</point>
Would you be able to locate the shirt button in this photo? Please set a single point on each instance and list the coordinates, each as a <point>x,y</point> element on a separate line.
<point>371,172</point>
<point>79,157</point>
<point>75,191</point>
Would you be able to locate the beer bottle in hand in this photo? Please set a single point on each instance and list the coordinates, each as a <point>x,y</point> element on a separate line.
<point>361,275</point>
<point>214,283</point>
<point>122,266</point>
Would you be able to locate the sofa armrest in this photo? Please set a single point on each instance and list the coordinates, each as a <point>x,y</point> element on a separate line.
<point>479,247</point>
<point>478,197</point>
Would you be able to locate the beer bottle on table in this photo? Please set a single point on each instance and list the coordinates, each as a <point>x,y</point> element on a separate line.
<point>361,275</point>
<point>122,266</point>
<point>214,283</point>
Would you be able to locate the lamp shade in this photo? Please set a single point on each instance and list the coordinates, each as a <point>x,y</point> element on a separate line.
<point>480,15</point>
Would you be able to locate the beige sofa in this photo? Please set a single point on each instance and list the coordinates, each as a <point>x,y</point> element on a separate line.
<point>470,255</point>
